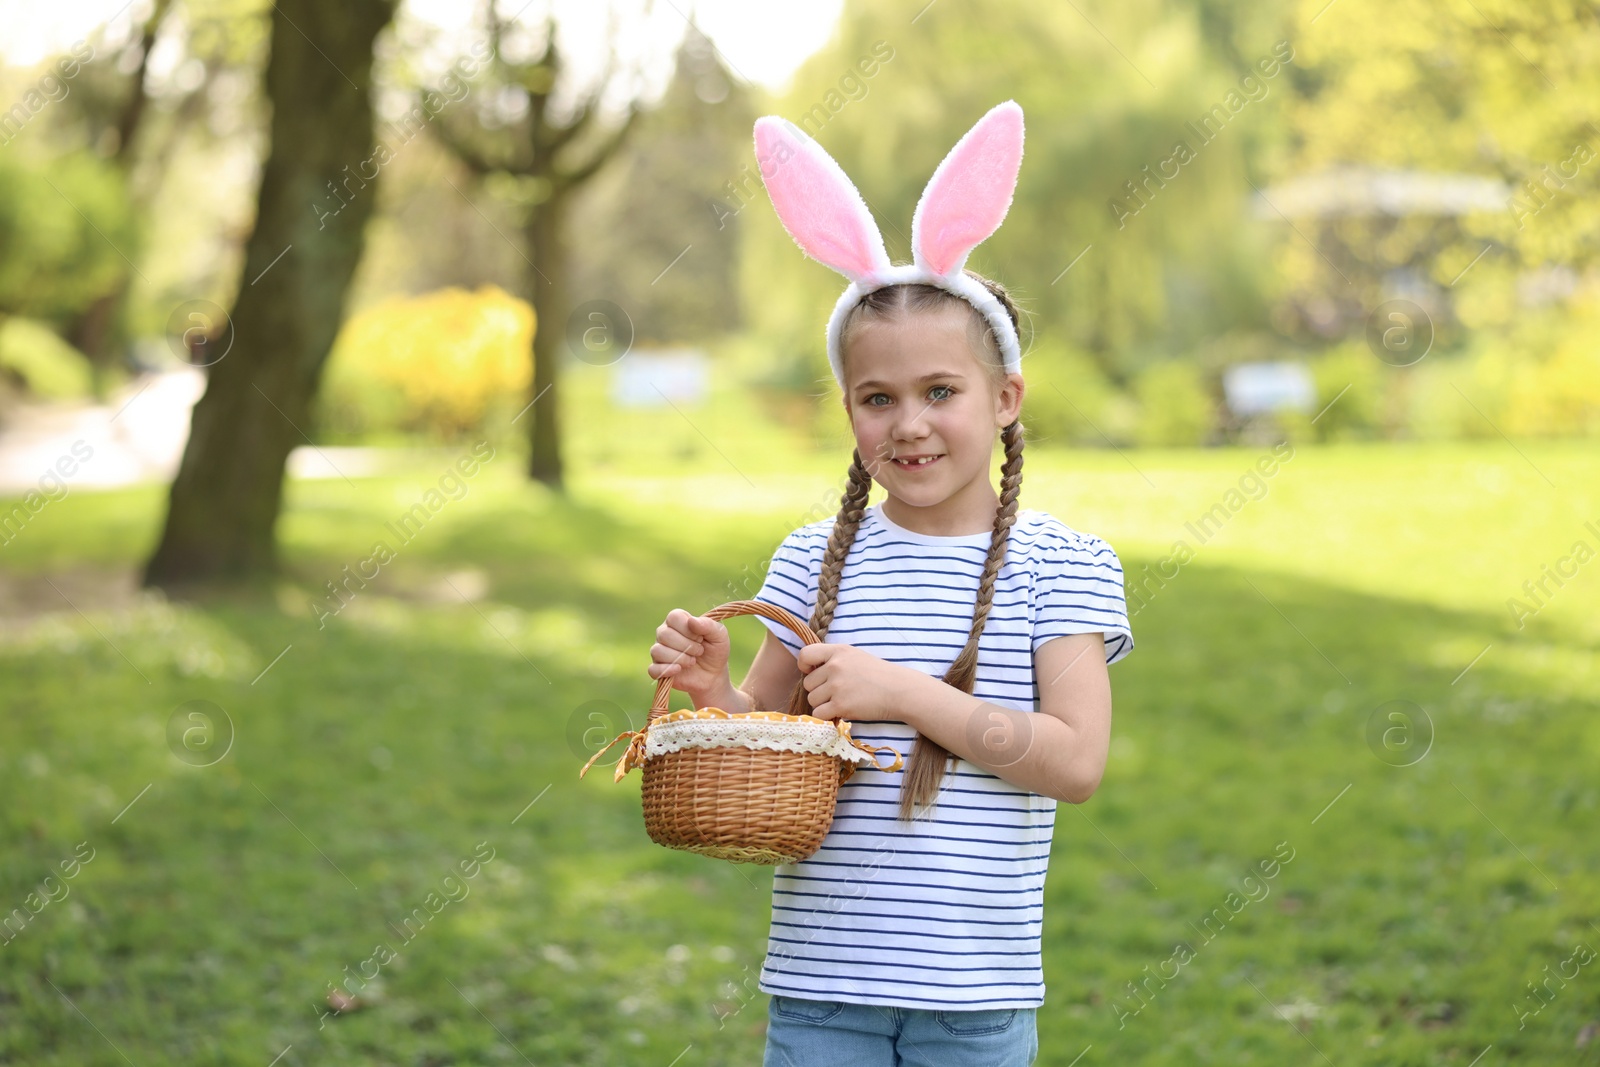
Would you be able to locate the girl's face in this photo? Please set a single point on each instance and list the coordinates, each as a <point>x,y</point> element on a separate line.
<point>915,391</point>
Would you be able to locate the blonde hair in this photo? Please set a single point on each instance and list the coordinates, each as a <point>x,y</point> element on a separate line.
<point>924,773</point>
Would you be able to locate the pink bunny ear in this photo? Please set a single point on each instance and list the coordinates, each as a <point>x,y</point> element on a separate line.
<point>968,196</point>
<point>816,202</point>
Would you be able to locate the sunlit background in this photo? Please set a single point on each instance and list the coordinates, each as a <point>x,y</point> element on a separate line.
<point>375,377</point>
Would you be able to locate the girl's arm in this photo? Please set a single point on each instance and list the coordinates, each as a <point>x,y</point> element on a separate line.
<point>1060,753</point>
<point>772,677</point>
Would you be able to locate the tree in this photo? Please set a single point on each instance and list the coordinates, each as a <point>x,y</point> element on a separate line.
<point>696,139</point>
<point>551,151</point>
<point>299,259</point>
<point>1498,89</point>
<point>134,119</point>
<point>91,331</point>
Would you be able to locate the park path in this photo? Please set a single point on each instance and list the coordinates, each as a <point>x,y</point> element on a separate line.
<point>135,438</point>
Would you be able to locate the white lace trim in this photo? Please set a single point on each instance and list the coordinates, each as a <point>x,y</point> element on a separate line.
<point>823,738</point>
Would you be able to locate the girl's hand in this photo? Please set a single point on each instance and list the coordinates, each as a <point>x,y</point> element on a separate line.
<point>692,650</point>
<point>845,682</point>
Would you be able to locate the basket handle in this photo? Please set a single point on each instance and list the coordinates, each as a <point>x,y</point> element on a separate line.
<point>664,687</point>
<point>807,637</point>
<point>727,611</point>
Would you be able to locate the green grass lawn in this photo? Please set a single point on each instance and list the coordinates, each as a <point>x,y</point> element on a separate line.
<point>425,725</point>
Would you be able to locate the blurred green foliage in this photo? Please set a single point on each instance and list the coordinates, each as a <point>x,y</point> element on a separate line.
<point>1349,383</point>
<point>1068,400</point>
<point>65,227</point>
<point>1175,407</point>
<point>1119,271</point>
<point>45,365</point>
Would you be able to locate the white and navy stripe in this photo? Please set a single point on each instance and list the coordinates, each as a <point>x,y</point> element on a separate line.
<point>943,912</point>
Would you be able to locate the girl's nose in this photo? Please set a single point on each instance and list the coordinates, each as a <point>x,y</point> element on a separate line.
<point>911,425</point>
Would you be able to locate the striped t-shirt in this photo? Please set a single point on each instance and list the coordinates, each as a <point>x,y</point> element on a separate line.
<point>940,912</point>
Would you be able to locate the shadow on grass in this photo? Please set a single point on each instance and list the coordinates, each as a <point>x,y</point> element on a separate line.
<point>371,756</point>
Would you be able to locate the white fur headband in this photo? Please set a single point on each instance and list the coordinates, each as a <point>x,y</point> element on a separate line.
<point>963,203</point>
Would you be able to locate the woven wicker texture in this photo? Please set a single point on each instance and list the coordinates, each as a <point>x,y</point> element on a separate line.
<point>746,788</point>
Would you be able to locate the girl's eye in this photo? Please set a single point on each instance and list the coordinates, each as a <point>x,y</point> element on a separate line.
<point>949,392</point>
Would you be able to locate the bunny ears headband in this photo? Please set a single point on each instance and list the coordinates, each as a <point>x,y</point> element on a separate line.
<point>963,203</point>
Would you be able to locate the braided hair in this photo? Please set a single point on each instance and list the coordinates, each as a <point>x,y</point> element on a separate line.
<point>924,773</point>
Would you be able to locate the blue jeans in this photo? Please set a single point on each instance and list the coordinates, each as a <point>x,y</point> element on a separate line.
<point>833,1033</point>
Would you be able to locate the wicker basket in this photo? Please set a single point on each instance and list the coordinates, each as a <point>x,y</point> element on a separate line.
<point>757,787</point>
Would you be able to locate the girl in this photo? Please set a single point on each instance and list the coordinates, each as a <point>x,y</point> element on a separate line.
<point>913,934</point>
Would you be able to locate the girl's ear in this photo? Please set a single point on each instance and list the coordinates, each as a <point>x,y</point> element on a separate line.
<point>1009,403</point>
<point>816,202</point>
<point>968,196</point>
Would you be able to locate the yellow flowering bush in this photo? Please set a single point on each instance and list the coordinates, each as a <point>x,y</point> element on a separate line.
<point>1559,396</point>
<point>433,365</point>
<point>1541,379</point>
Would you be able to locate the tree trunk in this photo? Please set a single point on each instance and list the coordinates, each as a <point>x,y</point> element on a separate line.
<point>90,333</point>
<point>93,331</point>
<point>547,293</point>
<point>222,518</point>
